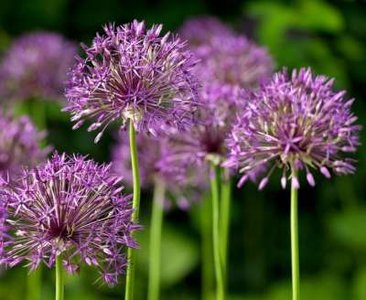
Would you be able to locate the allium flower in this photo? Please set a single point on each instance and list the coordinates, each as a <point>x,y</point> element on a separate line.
<point>35,66</point>
<point>183,181</point>
<point>206,140</point>
<point>131,72</point>
<point>294,122</point>
<point>69,207</point>
<point>233,60</point>
<point>198,31</point>
<point>19,144</point>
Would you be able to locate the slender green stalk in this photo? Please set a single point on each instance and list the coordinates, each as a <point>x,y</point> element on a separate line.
<point>155,240</point>
<point>38,113</point>
<point>130,277</point>
<point>295,244</point>
<point>208,276</point>
<point>34,282</point>
<point>59,279</point>
<point>215,194</point>
<point>225,221</point>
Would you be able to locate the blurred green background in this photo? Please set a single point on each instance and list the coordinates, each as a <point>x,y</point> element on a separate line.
<point>326,35</point>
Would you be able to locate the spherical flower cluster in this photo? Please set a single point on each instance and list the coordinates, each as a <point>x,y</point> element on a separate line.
<point>233,60</point>
<point>206,140</point>
<point>295,122</point>
<point>69,207</point>
<point>183,181</point>
<point>133,73</point>
<point>198,31</point>
<point>35,66</point>
<point>19,144</point>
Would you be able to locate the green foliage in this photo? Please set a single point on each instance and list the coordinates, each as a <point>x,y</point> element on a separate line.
<point>179,253</point>
<point>348,227</point>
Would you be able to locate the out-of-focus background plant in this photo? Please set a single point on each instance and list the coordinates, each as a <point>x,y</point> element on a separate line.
<point>326,35</point>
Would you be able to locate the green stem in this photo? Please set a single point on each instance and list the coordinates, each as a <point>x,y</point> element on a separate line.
<point>208,277</point>
<point>295,244</point>
<point>155,240</point>
<point>38,113</point>
<point>225,221</point>
<point>130,277</point>
<point>215,192</point>
<point>59,279</point>
<point>34,281</point>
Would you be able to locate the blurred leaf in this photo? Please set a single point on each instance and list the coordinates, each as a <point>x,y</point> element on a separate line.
<point>324,287</point>
<point>244,297</point>
<point>351,48</point>
<point>293,34</point>
<point>319,15</point>
<point>349,227</point>
<point>179,255</point>
<point>359,287</point>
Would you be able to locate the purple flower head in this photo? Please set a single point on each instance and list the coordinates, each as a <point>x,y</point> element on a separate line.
<point>295,122</point>
<point>131,72</point>
<point>183,181</point>
<point>35,66</point>
<point>198,31</point>
<point>206,140</point>
<point>69,207</point>
<point>233,60</point>
<point>19,144</point>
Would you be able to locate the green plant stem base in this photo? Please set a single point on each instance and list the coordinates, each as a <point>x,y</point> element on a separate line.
<point>157,215</point>
<point>130,277</point>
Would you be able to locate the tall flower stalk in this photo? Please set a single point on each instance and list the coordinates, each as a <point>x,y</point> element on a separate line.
<point>155,240</point>
<point>295,242</point>
<point>229,61</point>
<point>171,182</point>
<point>217,255</point>
<point>225,219</point>
<point>59,278</point>
<point>134,75</point>
<point>203,146</point>
<point>135,206</point>
<point>294,123</point>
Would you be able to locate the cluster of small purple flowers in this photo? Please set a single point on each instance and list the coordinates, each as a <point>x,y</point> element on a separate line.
<point>294,122</point>
<point>72,207</point>
<point>132,73</point>
<point>35,66</point>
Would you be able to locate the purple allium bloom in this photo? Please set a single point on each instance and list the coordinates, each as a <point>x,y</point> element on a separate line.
<point>184,182</point>
<point>131,72</point>
<point>206,140</point>
<point>19,144</point>
<point>233,60</point>
<point>294,122</point>
<point>72,207</point>
<point>198,31</point>
<point>35,66</point>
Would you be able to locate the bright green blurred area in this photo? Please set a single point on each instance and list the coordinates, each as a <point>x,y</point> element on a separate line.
<point>326,35</point>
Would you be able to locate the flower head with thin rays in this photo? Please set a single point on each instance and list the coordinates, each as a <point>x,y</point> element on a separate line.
<point>200,30</point>
<point>233,60</point>
<point>206,140</point>
<point>35,66</point>
<point>19,144</point>
<point>133,73</point>
<point>69,207</point>
<point>294,122</point>
<point>183,181</point>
